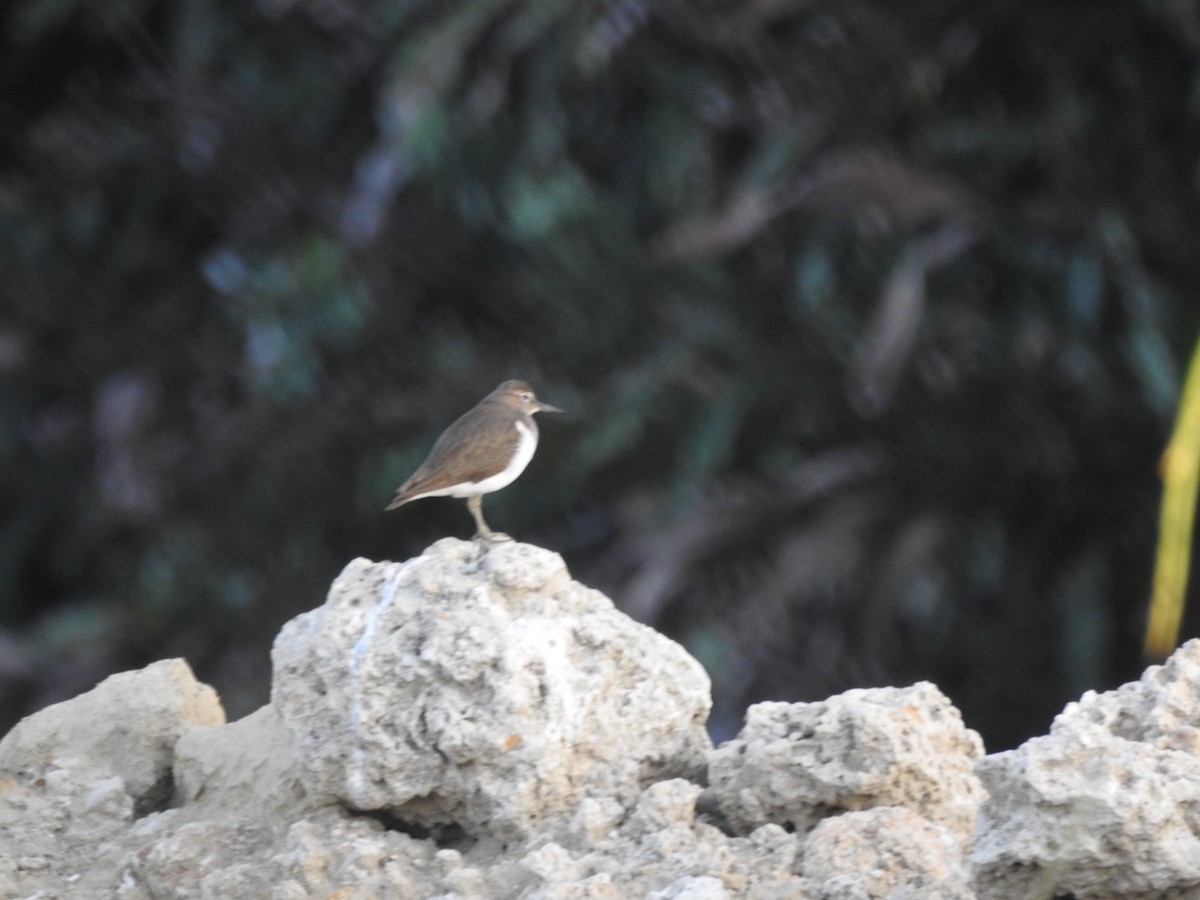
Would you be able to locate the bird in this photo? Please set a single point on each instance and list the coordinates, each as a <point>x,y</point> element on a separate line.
<point>482,451</point>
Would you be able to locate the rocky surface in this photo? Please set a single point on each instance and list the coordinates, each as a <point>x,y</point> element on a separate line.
<point>80,780</point>
<point>482,688</point>
<point>799,763</point>
<point>1107,804</point>
<point>474,724</point>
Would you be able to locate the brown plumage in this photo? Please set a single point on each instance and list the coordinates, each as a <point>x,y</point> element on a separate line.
<point>482,451</point>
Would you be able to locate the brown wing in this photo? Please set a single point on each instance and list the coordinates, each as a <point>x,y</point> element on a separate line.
<point>457,457</point>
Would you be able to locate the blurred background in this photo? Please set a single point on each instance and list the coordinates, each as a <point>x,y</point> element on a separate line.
<point>870,320</point>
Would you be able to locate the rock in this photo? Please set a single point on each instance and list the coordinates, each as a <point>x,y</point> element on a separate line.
<point>473,724</point>
<point>665,804</point>
<point>180,864</point>
<point>477,685</point>
<point>1108,804</point>
<point>1160,709</point>
<point>327,855</point>
<point>795,763</point>
<point>553,863</point>
<point>126,726</point>
<point>695,887</point>
<point>597,887</point>
<point>247,771</point>
<point>595,818</point>
<point>1109,818</point>
<point>641,863</point>
<point>660,849</point>
<point>886,852</point>
<point>87,773</point>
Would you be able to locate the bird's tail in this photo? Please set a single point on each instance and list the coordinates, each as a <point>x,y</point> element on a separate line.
<point>398,500</point>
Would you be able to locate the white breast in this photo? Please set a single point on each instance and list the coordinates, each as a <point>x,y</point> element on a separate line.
<point>520,459</point>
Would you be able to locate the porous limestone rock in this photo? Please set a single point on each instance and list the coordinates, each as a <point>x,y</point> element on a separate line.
<point>58,830</point>
<point>885,853</point>
<point>474,666</point>
<point>1105,806</point>
<point>246,770</point>
<point>328,854</point>
<point>1161,709</point>
<point>796,763</point>
<point>126,726</point>
<point>663,849</point>
<point>478,685</point>
<point>85,773</point>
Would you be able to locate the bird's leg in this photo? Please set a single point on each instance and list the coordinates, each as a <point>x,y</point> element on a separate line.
<point>482,532</point>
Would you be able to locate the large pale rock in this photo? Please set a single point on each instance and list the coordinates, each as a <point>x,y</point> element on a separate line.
<point>324,856</point>
<point>1161,709</point>
<point>795,763</point>
<point>58,832</point>
<point>663,850</point>
<point>80,778</point>
<point>1108,804</point>
<point>246,771</point>
<point>886,853</point>
<point>479,685</point>
<point>126,726</point>
<point>1103,818</point>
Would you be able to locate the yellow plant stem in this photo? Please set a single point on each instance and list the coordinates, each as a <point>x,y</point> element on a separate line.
<point>1181,474</point>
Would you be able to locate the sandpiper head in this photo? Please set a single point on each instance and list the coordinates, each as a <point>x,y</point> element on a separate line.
<point>520,395</point>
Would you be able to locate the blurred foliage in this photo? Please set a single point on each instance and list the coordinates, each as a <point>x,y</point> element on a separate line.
<point>870,318</point>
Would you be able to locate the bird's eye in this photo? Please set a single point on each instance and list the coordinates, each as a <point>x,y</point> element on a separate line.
<point>527,396</point>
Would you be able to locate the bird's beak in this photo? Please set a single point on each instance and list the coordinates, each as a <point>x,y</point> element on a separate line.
<point>546,407</point>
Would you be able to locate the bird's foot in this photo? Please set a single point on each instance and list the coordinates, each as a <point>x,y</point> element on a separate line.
<point>493,537</point>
